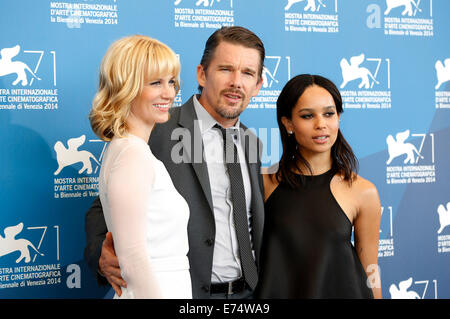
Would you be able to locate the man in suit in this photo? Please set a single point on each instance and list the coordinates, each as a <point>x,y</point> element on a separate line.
<point>229,75</point>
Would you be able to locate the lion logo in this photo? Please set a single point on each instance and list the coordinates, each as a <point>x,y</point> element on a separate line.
<point>10,244</point>
<point>352,71</point>
<point>391,4</point>
<point>442,72</point>
<point>444,216</point>
<point>310,5</point>
<point>71,155</point>
<point>266,74</point>
<point>398,147</point>
<point>402,291</point>
<point>7,66</point>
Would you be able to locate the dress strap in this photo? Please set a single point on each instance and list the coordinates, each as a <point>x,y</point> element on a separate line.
<point>333,171</point>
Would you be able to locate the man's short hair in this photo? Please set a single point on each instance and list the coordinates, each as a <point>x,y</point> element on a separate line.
<point>235,35</point>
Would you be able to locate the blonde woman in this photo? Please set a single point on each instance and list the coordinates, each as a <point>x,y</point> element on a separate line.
<point>145,214</point>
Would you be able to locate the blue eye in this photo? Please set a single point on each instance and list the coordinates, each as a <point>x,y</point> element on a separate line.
<point>155,83</point>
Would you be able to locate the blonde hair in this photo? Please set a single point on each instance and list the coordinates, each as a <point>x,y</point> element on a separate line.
<point>127,63</point>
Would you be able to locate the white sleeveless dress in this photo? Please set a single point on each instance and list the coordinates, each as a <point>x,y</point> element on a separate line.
<point>148,220</point>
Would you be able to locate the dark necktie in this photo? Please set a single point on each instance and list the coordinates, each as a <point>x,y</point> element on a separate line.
<point>239,206</point>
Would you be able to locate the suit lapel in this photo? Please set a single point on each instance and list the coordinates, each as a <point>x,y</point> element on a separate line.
<point>193,147</point>
<point>192,144</point>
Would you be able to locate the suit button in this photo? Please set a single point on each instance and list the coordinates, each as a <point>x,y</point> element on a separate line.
<point>205,288</point>
<point>209,241</point>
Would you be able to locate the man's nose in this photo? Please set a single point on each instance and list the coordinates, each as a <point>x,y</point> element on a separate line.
<point>236,79</point>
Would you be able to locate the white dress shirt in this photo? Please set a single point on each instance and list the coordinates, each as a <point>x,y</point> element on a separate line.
<point>226,262</point>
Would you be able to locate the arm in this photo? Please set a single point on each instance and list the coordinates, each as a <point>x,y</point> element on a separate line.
<point>99,252</point>
<point>95,228</point>
<point>128,189</point>
<point>367,229</point>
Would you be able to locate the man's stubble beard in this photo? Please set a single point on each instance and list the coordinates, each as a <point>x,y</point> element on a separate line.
<point>234,113</point>
<point>229,114</point>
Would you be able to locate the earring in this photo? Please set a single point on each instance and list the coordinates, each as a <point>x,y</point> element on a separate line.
<point>290,132</point>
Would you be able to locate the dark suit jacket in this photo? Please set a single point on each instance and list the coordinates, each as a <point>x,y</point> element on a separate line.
<point>173,144</point>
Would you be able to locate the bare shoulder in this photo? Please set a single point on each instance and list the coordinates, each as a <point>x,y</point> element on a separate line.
<point>364,187</point>
<point>270,184</point>
<point>366,192</point>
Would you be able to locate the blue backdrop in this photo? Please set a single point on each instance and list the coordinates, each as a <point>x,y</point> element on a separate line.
<point>390,58</point>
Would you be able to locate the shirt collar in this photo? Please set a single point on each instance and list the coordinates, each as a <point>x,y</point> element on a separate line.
<point>206,121</point>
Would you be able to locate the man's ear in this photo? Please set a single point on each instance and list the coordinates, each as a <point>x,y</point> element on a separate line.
<point>258,86</point>
<point>201,75</point>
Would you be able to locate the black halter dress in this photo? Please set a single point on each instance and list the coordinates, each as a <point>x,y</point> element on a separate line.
<point>307,250</point>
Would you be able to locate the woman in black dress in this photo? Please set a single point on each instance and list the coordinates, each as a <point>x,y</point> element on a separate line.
<point>314,200</point>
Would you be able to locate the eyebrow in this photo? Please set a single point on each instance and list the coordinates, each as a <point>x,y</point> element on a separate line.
<point>331,107</point>
<point>158,78</point>
<point>229,65</point>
